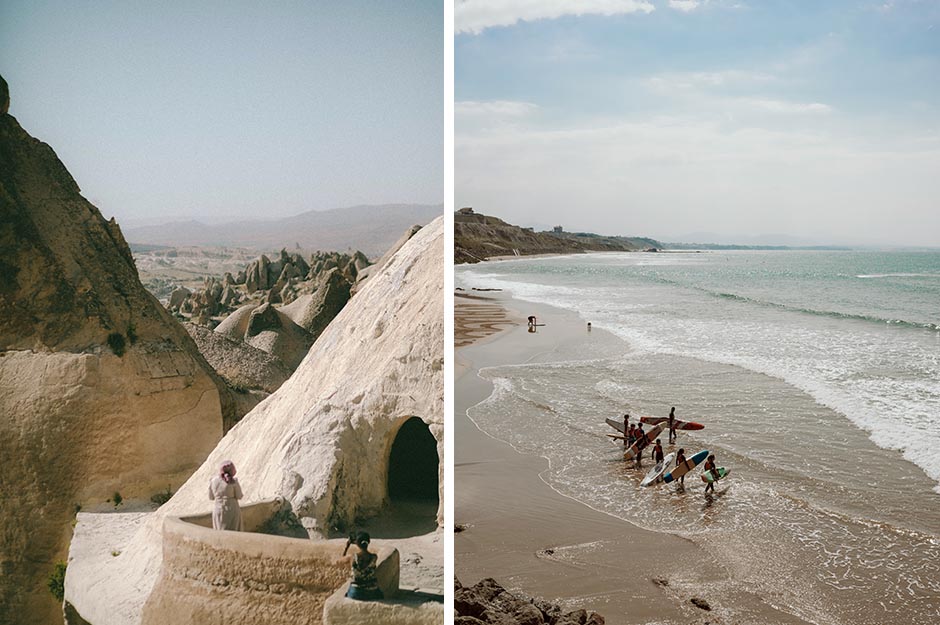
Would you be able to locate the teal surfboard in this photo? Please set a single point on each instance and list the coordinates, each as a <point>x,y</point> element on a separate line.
<point>685,467</point>
<point>707,476</point>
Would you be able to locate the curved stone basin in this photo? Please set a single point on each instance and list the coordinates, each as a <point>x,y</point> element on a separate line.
<point>210,577</point>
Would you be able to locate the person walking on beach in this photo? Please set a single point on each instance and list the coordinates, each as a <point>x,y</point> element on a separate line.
<point>531,320</point>
<point>657,452</point>
<point>225,490</point>
<point>672,426</point>
<point>631,434</point>
<point>680,458</point>
<point>711,468</point>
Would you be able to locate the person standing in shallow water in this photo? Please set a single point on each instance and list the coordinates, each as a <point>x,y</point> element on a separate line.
<point>672,426</point>
<point>364,585</point>
<point>680,458</point>
<point>657,453</point>
<point>225,490</point>
<point>711,468</point>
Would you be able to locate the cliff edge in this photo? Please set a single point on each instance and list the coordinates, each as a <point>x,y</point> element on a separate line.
<point>101,390</point>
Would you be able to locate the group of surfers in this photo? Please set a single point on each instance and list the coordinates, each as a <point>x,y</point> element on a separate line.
<point>633,433</point>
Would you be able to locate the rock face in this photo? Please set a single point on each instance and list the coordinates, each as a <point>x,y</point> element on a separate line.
<point>478,237</point>
<point>281,281</point>
<point>488,602</point>
<point>326,442</point>
<point>365,272</point>
<point>270,330</point>
<point>314,311</point>
<point>240,365</point>
<point>101,390</point>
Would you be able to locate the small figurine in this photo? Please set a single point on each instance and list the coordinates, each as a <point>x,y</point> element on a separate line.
<point>364,585</point>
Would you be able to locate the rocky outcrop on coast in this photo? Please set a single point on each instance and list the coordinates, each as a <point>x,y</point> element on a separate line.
<point>486,602</point>
<point>478,237</point>
<point>364,409</point>
<point>103,395</point>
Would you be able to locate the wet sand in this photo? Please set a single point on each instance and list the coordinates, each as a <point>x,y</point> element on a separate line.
<point>538,542</point>
<point>477,317</point>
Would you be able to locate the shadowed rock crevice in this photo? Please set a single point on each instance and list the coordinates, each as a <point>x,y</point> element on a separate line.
<point>413,463</point>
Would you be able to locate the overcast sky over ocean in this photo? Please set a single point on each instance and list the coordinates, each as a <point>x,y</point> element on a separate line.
<point>221,110</point>
<point>820,121</point>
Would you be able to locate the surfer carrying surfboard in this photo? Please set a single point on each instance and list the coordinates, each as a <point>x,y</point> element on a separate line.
<point>641,445</point>
<point>711,467</point>
<point>680,459</point>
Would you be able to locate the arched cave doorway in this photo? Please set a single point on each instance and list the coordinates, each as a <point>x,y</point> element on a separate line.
<point>413,464</point>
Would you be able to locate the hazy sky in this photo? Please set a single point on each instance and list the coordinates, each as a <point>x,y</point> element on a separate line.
<point>665,117</point>
<point>232,109</point>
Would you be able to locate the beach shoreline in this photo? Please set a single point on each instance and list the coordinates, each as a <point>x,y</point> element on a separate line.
<point>538,541</point>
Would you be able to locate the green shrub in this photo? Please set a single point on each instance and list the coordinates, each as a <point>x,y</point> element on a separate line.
<point>132,333</point>
<point>117,499</point>
<point>116,343</point>
<point>56,581</point>
<point>162,497</point>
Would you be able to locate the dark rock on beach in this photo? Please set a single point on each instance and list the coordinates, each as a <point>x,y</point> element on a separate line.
<point>488,602</point>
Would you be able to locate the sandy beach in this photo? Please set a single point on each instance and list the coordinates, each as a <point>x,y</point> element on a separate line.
<point>539,542</point>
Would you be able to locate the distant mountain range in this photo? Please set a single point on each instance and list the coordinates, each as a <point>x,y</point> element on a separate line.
<point>371,229</point>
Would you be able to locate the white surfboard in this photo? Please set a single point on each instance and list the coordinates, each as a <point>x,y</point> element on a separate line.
<point>656,473</point>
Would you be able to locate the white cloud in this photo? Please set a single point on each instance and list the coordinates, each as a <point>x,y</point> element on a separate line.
<point>493,108</point>
<point>474,16</point>
<point>684,5</point>
<point>641,177</point>
<point>785,106</point>
<point>721,78</point>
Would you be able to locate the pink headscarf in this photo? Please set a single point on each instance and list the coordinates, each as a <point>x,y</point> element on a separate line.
<point>227,471</point>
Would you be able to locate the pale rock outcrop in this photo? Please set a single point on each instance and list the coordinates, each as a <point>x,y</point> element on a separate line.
<point>314,311</point>
<point>178,296</point>
<point>272,331</point>
<point>323,442</point>
<point>365,271</point>
<point>240,364</point>
<point>101,390</point>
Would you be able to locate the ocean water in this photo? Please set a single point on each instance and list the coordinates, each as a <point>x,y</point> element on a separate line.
<point>817,375</point>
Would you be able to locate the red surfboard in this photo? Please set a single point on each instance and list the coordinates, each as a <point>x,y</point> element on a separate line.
<point>680,424</point>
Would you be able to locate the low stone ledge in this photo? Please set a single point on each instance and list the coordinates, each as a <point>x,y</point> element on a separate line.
<point>211,576</point>
<point>405,608</point>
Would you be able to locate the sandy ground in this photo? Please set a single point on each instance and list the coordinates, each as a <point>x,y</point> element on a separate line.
<point>476,317</point>
<point>536,541</point>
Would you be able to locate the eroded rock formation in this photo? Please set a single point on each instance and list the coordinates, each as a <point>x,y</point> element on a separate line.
<point>101,390</point>
<point>281,281</point>
<point>322,443</point>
